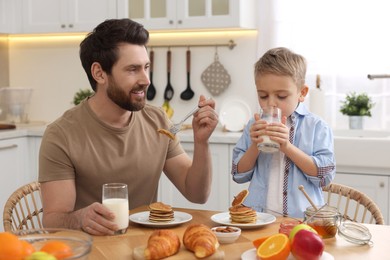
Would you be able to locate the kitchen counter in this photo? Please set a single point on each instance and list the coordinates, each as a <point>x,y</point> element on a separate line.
<point>25,130</point>
<point>37,129</point>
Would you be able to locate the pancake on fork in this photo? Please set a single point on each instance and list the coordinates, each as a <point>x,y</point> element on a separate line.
<point>239,213</point>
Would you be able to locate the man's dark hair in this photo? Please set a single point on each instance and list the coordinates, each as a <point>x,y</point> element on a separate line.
<point>101,45</point>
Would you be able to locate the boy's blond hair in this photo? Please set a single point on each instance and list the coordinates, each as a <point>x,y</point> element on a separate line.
<point>281,61</point>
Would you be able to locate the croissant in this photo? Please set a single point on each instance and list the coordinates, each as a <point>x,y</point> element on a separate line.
<point>162,243</point>
<point>199,239</point>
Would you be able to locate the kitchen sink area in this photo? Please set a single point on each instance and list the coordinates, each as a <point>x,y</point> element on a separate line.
<point>360,150</point>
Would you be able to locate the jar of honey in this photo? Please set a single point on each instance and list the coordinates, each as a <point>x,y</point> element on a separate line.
<point>287,225</point>
<point>325,221</point>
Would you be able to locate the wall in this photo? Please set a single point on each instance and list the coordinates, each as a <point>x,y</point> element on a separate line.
<point>52,68</point>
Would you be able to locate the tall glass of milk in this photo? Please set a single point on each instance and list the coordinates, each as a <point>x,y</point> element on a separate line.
<point>271,115</point>
<point>115,198</point>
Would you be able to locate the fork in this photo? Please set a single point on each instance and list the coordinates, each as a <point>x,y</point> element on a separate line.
<point>175,128</point>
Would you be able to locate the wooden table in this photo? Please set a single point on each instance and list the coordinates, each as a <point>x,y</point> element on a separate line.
<point>121,246</point>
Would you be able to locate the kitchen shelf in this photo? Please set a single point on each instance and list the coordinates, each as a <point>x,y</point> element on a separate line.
<point>231,44</point>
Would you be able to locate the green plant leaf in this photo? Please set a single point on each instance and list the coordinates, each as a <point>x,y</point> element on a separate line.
<point>356,105</point>
<point>81,95</point>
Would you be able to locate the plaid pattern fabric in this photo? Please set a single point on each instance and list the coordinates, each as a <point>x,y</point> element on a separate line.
<point>287,169</point>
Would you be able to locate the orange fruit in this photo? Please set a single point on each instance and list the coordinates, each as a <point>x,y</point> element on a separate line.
<point>11,247</point>
<point>58,249</point>
<point>257,242</point>
<point>276,247</point>
<point>28,249</point>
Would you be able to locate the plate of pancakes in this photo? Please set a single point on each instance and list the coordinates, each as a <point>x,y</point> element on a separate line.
<point>160,215</point>
<point>242,216</point>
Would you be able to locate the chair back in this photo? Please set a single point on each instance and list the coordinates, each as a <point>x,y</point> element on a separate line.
<point>353,204</point>
<point>23,209</point>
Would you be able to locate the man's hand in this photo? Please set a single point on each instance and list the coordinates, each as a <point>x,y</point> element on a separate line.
<point>97,220</point>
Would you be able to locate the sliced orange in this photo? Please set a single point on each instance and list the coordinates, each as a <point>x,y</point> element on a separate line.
<point>257,242</point>
<point>276,247</point>
<point>239,199</point>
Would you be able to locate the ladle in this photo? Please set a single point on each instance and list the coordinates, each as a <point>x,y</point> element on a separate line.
<point>187,94</point>
<point>151,93</point>
<point>168,93</point>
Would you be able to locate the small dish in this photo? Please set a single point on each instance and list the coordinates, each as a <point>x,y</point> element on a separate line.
<point>226,234</point>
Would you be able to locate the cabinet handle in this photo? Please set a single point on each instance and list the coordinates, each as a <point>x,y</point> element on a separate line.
<point>381,184</point>
<point>63,26</point>
<point>70,25</point>
<point>8,147</point>
<point>170,21</point>
<point>180,22</point>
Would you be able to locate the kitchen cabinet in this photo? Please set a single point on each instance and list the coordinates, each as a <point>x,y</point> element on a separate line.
<point>14,165</point>
<point>8,15</point>
<point>57,16</point>
<point>375,186</point>
<point>234,187</point>
<point>189,14</point>
<point>219,197</point>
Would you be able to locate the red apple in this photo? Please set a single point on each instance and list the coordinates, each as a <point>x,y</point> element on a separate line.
<point>307,245</point>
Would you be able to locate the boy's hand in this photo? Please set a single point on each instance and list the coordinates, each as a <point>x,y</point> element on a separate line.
<point>278,132</point>
<point>257,129</point>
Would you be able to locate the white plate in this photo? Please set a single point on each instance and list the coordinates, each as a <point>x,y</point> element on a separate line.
<point>262,219</point>
<point>251,255</point>
<point>143,219</point>
<point>234,115</point>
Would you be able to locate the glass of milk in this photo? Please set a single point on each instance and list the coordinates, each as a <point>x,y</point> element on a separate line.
<point>271,115</point>
<point>115,198</point>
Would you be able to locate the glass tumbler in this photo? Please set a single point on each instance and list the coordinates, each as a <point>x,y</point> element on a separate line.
<point>115,198</point>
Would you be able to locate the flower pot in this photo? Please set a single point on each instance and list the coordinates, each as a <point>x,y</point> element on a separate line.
<point>356,122</point>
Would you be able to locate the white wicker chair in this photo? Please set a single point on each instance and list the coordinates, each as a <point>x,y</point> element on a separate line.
<point>353,204</point>
<point>23,209</point>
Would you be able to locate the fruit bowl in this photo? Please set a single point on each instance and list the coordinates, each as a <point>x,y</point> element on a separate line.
<point>79,242</point>
<point>226,234</point>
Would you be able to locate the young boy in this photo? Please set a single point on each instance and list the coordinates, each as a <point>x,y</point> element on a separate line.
<point>306,154</point>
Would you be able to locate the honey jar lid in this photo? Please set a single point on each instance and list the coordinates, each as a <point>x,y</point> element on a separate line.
<point>355,233</point>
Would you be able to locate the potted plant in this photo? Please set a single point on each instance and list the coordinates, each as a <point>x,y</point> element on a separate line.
<point>81,95</point>
<point>356,106</point>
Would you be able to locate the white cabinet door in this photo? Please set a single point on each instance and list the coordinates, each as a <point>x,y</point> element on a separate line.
<point>376,187</point>
<point>56,16</point>
<point>34,143</point>
<point>10,21</point>
<point>14,167</point>
<point>219,199</point>
<point>234,187</point>
<point>189,14</point>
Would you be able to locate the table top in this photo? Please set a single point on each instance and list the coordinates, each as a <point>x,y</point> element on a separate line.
<point>121,246</point>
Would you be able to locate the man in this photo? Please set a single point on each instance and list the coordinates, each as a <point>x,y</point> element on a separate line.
<point>112,137</point>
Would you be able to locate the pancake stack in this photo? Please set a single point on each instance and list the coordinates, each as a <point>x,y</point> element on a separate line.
<point>239,213</point>
<point>160,212</point>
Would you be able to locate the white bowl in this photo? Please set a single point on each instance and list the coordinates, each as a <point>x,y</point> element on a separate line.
<point>226,234</point>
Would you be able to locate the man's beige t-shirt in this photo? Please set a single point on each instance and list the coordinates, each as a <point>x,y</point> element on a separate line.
<point>80,146</point>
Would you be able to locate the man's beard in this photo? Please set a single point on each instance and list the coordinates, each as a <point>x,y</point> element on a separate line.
<point>123,99</point>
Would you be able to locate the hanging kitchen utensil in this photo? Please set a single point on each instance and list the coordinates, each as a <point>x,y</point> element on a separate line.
<point>187,94</point>
<point>215,77</point>
<point>168,93</point>
<point>151,93</point>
